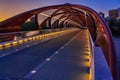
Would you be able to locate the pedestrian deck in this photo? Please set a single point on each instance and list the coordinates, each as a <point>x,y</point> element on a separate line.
<point>70,62</point>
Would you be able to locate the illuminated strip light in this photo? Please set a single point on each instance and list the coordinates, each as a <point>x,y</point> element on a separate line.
<point>20,41</point>
<point>40,37</point>
<point>30,39</point>
<point>1,46</point>
<point>7,44</point>
<point>33,38</point>
<point>25,40</point>
<point>91,76</point>
<point>14,43</point>
<point>44,35</point>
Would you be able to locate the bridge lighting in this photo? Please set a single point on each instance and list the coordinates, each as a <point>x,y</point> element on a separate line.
<point>33,71</point>
<point>62,47</point>
<point>91,74</point>
<point>25,40</point>
<point>30,39</point>
<point>87,57</point>
<point>48,59</point>
<point>1,46</point>
<point>27,46</point>
<point>44,35</point>
<point>87,62</point>
<point>56,52</point>
<point>35,43</point>
<point>16,50</point>
<point>20,41</point>
<point>7,44</point>
<point>40,37</point>
<point>14,43</point>
<point>33,38</point>
<point>36,37</point>
<point>65,44</point>
<point>2,55</point>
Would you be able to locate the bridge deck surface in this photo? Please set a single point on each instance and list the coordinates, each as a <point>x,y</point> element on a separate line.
<point>42,62</point>
<point>70,62</point>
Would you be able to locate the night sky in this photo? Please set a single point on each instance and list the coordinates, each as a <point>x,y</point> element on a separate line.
<point>9,8</point>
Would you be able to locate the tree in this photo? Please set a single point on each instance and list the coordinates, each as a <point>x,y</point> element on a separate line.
<point>114,26</point>
<point>29,26</point>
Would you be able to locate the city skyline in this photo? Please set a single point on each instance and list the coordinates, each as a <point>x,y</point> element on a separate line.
<point>9,8</point>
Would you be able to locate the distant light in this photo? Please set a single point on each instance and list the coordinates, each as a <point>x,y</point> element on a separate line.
<point>48,59</point>
<point>16,49</point>
<point>20,41</point>
<point>62,47</point>
<point>35,43</point>
<point>27,46</point>
<point>7,44</point>
<point>3,54</point>
<point>65,44</point>
<point>56,52</point>
<point>33,71</point>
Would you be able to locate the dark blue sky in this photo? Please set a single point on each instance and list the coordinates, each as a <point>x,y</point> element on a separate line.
<point>10,8</point>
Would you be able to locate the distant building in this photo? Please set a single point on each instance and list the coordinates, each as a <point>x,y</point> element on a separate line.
<point>119,11</point>
<point>115,13</point>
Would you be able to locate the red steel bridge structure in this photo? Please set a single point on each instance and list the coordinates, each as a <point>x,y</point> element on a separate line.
<point>67,16</point>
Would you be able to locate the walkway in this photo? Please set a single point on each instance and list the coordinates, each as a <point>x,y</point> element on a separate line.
<point>70,62</point>
<point>56,59</point>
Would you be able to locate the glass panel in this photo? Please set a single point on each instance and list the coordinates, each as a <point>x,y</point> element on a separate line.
<point>58,16</point>
<point>78,9</point>
<point>42,17</point>
<point>49,12</point>
<point>60,11</point>
<point>55,18</point>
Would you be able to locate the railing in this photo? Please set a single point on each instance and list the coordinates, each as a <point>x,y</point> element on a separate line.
<point>42,34</point>
<point>23,34</point>
<point>91,57</point>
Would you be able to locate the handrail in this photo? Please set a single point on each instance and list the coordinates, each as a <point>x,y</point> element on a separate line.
<point>23,34</point>
<point>32,30</point>
<point>91,57</point>
<point>37,37</point>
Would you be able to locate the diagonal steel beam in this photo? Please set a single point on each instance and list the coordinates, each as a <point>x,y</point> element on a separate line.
<point>67,10</point>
